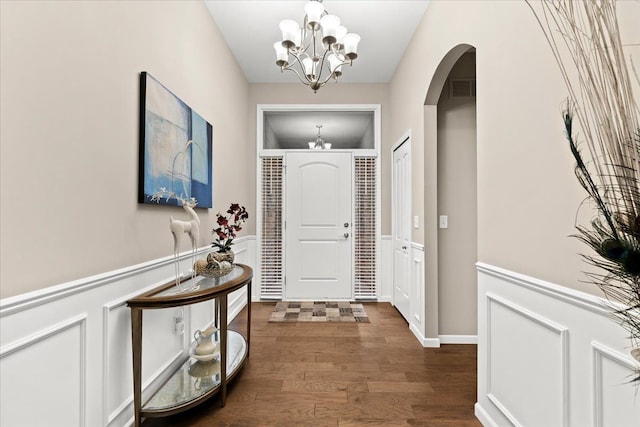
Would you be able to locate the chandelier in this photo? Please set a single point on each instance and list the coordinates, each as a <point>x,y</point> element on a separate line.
<point>319,48</point>
<point>319,143</point>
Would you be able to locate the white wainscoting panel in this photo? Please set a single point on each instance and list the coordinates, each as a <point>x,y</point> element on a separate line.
<point>78,372</point>
<point>417,288</point>
<point>613,404</point>
<point>543,350</point>
<point>417,292</point>
<point>549,356</point>
<point>46,373</point>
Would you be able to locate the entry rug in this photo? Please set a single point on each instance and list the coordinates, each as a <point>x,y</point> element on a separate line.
<point>319,311</point>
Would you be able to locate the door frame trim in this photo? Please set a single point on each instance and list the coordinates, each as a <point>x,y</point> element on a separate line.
<point>377,121</point>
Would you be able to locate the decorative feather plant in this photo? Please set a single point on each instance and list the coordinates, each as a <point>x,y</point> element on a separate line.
<point>585,39</point>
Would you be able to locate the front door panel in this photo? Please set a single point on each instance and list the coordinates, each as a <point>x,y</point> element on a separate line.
<point>318,245</point>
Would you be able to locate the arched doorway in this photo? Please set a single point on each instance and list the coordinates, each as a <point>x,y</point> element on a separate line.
<point>450,199</point>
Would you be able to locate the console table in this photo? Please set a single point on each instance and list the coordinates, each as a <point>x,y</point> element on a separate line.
<point>193,382</point>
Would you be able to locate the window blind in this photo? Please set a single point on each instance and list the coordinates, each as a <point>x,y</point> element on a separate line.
<point>365,228</point>
<point>271,229</point>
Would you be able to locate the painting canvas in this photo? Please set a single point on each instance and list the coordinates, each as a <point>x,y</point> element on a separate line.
<point>175,147</point>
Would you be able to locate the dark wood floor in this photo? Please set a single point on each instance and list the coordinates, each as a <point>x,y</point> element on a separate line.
<point>327,374</point>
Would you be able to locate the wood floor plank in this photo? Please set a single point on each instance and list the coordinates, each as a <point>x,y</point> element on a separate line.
<point>354,376</point>
<point>342,375</point>
<point>399,387</point>
<point>323,386</point>
<point>295,366</point>
<point>320,397</point>
<point>374,422</point>
<point>272,375</point>
<point>414,398</point>
<point>384,411</point>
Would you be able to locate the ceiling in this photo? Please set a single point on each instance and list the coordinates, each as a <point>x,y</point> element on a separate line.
<point>250,27</point>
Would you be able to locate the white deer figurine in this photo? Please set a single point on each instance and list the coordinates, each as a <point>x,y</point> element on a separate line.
<point>190,227</point>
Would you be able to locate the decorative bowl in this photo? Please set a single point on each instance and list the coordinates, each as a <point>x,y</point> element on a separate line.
<point>202,369</point>
<point>214,272</point>
<point>204,357</point>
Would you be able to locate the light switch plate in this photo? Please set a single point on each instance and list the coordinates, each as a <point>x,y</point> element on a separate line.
<point>444,221</point>
<point>416,221</point>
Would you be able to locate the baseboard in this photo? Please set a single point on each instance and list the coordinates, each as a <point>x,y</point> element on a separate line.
<point>483,416</point>
<point>425,342</point>
<point>458,339</point>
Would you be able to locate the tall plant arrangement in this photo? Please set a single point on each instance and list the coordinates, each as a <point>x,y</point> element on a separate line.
<point>585,39</point>
<point>228,226</point>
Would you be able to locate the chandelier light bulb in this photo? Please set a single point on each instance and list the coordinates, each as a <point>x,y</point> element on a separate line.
<point>282,56</point>
<point>351,41</point>
<point>290,33</point>
<point>329,25</point>
<point>309,68</point>
<point>335,64</point>
<point>314,10</point>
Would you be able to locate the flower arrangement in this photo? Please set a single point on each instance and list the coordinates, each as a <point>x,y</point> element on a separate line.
<point>602,101</point>
<point>228,226</point>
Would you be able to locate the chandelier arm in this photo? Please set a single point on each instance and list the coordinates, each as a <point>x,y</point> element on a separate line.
<point>321,66</point>
<point>291,67</point>
<point>315,52</point>
<point>347,61</point>
<point>303,37</point>
<point>304,80</point>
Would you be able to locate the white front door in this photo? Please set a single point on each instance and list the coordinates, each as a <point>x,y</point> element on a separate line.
<point>401,211</point>
<point>318,226</point>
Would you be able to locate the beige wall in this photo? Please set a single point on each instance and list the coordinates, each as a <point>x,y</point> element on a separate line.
<point>69,135</point>
<point>527,193</point>
<point>340,93</point>
<point>457,198</point>
<point>69,149</point>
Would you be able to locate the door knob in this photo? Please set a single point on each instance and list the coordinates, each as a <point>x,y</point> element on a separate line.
<point>346,224</point>
<point>346,235</point>
<point>404,247</point>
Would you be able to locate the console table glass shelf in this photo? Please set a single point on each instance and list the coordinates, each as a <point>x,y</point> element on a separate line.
<point>194,381</point>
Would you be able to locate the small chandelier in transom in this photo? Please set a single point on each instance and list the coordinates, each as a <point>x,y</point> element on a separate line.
<point>317,50</point>
<point>319,143</point>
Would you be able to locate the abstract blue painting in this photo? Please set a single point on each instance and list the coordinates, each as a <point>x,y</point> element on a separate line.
<point>176,146</point>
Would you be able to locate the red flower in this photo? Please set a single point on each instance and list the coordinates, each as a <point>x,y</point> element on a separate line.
<point>227,230</point>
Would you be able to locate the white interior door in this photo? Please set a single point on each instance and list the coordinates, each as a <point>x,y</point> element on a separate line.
<point>318,226</point>
<point>401,189</point>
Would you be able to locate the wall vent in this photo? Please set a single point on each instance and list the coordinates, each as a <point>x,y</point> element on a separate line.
<point>462,88</point>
